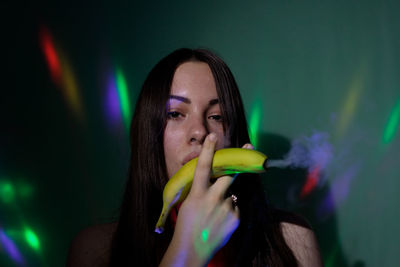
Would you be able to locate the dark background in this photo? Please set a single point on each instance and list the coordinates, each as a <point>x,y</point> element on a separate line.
<point>303,67</point>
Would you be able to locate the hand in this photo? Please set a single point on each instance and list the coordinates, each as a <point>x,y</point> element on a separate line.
<point>206,220</point>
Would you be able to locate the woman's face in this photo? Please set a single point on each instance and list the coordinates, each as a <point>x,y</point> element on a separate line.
<point>193,112</point>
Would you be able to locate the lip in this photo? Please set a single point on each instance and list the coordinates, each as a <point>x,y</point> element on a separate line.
<point>190,156</point>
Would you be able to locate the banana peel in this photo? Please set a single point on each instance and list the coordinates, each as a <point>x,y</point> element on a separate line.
<point>226,161</point>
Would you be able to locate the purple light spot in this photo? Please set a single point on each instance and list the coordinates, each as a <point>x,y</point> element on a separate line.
<point>113,110</point>
<point>327,207</point>
<point>338,193</point>
<point>11,248</point>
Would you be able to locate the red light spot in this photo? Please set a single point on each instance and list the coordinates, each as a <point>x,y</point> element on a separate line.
<point>50,55</point>
<point>311,182</point>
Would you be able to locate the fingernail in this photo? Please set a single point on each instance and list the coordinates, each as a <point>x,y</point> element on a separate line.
<point>213,137</point>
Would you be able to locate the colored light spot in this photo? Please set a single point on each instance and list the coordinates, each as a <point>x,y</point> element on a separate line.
<point>255,121</point>
<point>339,192</point>
<point>392,124</point>
<point>330,260</point>
<point>204,245</point>
<point>10,248</point>
<point>311,182</point>
<point>7,192</point>
<point>123,97</point>
<point>204,234</point>
<point>113,110</point>
<point>24,190</point>
<point>32,239</point>
<point>61,71</point>
<point>70,87</point>
<point>53,62</point>
<point>351,103</point>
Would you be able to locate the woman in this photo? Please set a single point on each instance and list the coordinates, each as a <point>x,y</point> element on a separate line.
<point>190,106</point>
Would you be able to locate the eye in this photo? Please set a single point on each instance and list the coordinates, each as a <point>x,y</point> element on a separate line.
<point>173,115</point>
<point>216,117</point>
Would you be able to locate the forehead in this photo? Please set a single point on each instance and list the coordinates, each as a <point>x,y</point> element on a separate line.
<point>194,79</point>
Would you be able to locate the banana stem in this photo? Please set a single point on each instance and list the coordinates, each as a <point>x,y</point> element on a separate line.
<point>265,164</point>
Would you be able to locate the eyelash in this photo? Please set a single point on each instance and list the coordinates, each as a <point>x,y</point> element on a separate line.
<point>174,115</point>
<point>218,119</point>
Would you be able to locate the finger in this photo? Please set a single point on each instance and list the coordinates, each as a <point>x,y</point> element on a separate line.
<point>228,203</point>
<point>218,220</point>
<point>217,229</point>
<point>223,217</point>
<point>218,189</point>
<point>203,168</point>
<point>231,216</point>
<point>248,146</point>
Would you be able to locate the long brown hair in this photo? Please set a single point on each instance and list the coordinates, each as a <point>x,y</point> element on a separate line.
<point>135,242</point>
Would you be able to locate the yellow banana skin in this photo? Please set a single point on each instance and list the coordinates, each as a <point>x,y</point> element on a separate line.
<point>225,162</point>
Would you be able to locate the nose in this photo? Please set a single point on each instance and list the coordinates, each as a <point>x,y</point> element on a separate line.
<point>197,130</point>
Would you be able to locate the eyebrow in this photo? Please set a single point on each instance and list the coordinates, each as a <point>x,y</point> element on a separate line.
<point>187,100</point>
<point>180,98</point>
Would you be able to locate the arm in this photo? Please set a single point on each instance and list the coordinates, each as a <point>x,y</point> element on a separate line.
<point>303,243</point>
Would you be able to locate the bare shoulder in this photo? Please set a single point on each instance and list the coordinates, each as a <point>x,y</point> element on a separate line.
<point>91,246</point>
<point>301,239</point>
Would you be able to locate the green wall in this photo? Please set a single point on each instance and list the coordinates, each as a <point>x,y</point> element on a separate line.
<point>304,68</point>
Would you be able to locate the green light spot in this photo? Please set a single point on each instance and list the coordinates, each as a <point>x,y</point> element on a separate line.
<point>255,121</point>
<point>13,233</point>
<point>123,97</point>
<point>330,261</point>
<point>204,235</point>
<point>392,124</point>
<point>25,190</point>
<point>7,192</point>
<point>32,239</point>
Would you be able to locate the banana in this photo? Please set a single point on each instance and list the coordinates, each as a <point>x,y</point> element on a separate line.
<point>225,162</point>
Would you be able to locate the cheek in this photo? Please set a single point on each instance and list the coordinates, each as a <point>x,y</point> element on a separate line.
<point>223,141</point>
<point>172,140</point>
<point>169,141</point>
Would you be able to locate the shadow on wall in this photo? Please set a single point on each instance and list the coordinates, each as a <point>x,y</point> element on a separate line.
<point>285,189</point>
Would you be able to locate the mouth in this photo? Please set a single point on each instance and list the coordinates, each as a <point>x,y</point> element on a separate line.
<point>190,156</point>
